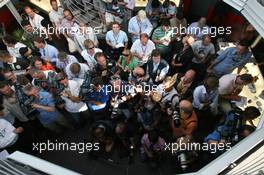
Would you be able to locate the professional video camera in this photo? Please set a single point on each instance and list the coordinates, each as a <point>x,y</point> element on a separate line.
<point>25,102</point>
<point>175,115</point>
<point>86,87</point>
<point>54,86</point>
<point>185,157</point>
<point>229,131</point>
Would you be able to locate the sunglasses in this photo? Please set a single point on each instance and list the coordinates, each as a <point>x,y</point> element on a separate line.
<point>125,55</point>
<point>90,48</point>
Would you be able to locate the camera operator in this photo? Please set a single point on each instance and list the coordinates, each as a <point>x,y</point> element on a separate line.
<point>73,104</point>
<point>230,130</point>
<point>40,77</point>
<point>187,121</point>
<point>98,98</point>
<point>48,116</point>
<point>121,93</point>
<point>11,102</point>
<point>104,67</point>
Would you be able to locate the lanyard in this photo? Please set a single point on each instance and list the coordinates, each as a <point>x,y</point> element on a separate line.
<point>139,25</point>
<point>144,50</point>
<point>116,38</point>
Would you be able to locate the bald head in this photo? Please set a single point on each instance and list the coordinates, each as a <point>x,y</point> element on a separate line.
<point>139,71</point>
<point>189,76</point>
<point>186,107</point>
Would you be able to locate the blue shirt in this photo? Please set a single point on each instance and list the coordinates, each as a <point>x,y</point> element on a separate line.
<point>46,99</point>
<point>229,60</point>
<point>101,96</point>
<point>120,38</point>
<point>49,53</point>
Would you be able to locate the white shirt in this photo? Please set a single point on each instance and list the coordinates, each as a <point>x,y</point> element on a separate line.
<point>14,51</point>
<point>36,21</point>
<point>79,37</point>
<point>145,51</point>
<point>7,135</point>
<point>130,4</point>
<point>116,39</point>
<point>135,26</point>
<point>63,64</point>
<point>56,16</point>
<point>74,88</point>
<point>90,58</point>
<point>227,84</point>
<point>84,69</point>
<point>200,96</point>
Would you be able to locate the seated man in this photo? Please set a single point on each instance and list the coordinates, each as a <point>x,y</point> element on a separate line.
<point>142,48</point>
<point>188,121</point>
<point>162,37</point>
<point>48,116</point>
<point>230,86</point>
<point>205,97</point>
<point>76,70</point>
<point>232,128</point>
<point>152,147</point>
<point>230,59</point>
<point>117,40</point>
<point>156,68</point>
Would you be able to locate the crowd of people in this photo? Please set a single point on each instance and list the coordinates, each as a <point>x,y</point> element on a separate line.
<point>165,87</point>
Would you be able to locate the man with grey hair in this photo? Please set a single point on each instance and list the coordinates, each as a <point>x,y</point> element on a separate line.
<point>139,24</point>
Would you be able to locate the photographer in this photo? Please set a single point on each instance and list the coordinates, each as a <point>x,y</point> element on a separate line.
<point>73,104</point>
<point>230,130</point>
<point>104,67</point>
<point>121,93</point>
<point>187,121</point>
<point>48,116</point>
<point>11,102</point>
<point>98,98</point>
